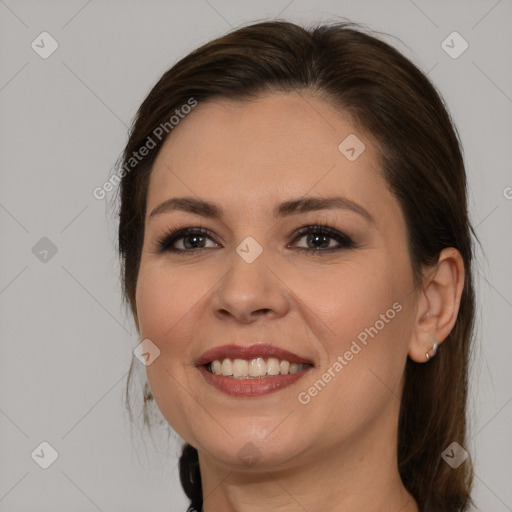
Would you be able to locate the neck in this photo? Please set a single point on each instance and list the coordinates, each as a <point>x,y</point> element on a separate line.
<point>359,474</point>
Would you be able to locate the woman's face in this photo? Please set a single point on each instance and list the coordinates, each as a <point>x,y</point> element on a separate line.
<point>252,279</point>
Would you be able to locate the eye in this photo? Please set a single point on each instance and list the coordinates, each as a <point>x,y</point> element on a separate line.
<point>193,240</point>
<point>190,239</point>
<point>322,236</point>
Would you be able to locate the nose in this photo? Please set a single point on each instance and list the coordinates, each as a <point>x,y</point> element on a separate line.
<point>249,291</point>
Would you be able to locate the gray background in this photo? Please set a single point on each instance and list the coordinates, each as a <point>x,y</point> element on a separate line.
<point>66,339</point>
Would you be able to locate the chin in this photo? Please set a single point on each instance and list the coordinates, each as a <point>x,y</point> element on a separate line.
<point>252,451</point>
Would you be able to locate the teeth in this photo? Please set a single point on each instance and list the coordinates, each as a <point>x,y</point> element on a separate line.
<point>254,368</point>
<point>217,367</point>
<point>257,367</point>
<point>240,368</point>
<point>227,367</point>
<point>294,367</point>
<point>272,366</point>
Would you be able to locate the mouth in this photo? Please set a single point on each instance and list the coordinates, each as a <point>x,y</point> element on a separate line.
<point>251,370</point>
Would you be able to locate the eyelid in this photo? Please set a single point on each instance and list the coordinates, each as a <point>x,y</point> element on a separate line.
<point>172,235</point>
<point>324,229</point>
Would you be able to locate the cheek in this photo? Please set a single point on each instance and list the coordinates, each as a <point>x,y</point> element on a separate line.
<point>164,297</point>
<point>152,298</point>
<point>162,307</point>
<point>364,315</point>
<point>348,298</point>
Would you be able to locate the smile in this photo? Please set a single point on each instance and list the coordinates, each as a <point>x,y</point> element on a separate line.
<point>256,368</point>
<point>250,371</point>
<point>245,387</point>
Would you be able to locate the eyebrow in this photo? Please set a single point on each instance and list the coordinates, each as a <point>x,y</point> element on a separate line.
<point>287,208</point>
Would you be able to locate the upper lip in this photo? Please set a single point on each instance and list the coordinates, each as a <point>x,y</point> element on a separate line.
<point>249,352</point>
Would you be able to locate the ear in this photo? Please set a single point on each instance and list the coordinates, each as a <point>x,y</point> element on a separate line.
<point>438,304</point>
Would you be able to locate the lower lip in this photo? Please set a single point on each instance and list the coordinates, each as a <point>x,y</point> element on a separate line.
<point>251,387</point>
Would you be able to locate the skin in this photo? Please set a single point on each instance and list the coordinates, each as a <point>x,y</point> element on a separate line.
<point>337,452</point>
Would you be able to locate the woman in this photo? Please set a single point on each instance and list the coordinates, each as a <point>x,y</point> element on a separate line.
<point>297,256</point>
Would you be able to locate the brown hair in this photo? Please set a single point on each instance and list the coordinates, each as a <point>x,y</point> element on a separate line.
<point>422,161</point>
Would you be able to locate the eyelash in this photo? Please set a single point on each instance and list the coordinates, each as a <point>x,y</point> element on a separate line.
<point>165,243</point>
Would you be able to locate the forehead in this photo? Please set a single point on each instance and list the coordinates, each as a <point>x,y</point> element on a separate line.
<point>280,144</point>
